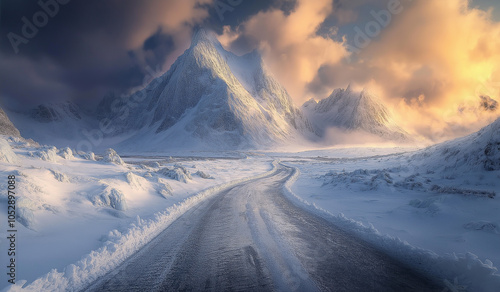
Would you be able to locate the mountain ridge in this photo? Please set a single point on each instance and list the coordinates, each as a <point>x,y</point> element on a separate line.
<point>350,111</point>
<point>6,126</point>
<point>214,92</point>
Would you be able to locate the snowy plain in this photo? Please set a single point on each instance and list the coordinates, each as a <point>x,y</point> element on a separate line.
<point>70,205</point>
<point>442,220</point>
<point>86,212</point>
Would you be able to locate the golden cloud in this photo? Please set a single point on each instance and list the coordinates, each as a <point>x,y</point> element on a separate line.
<point>431,62</point>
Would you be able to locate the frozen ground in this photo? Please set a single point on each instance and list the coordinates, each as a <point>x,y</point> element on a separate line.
<point>82,214</point>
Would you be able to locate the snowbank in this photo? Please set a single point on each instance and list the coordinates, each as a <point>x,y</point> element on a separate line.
<point>6,153</point>
<point>119,246</point>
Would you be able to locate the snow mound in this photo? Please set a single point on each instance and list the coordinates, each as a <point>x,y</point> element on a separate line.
<point>59,176</point>
<point>369,180</point>
<point>179,173</point>
<point>362,179</point>
<point>135,181</point>
<point>112,157</point>
<point>46,154</point>
<point>87,155</point>
<point>6,153</point>
<point>109,197</point>
<point>203,175</point>
<point>164,189</point>
<point>66,153</point>
<point>25,212</point>
<point>483,226</point>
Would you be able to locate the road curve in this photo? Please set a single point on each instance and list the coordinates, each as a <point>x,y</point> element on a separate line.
<point>251,238</point>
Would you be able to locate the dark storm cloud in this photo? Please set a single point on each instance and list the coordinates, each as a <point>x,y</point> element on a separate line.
<point>91,47</point>
<point>488,103</point>
<point>83,46</point>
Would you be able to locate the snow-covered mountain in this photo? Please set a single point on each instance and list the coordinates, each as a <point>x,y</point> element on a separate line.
<point>46,113</point>
<point>211,96</point>
<point>6,126</point>
<point>477,151</point>
<point>61,124</point>
<point>351,110</point>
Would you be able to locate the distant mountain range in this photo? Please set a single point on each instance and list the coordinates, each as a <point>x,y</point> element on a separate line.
<point>210,99</point>
<point>354,111</point>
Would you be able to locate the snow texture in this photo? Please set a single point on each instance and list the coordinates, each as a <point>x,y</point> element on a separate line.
<point>6,126</point>
<point>203,175</point>
<point>164,189</point>
<point>179,173</point>
<point>46,153</point>
<point>59,176</point>
<point>109,197</point>
<point>6,153</point>
<point>87,155</point>
<point>66,153</point>
<point>134,180</point>
<point>112,157</point>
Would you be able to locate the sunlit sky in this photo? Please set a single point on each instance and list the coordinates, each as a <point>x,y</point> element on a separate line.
<point>431,62</point>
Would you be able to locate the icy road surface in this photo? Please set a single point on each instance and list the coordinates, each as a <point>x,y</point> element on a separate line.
<point>250,238</point>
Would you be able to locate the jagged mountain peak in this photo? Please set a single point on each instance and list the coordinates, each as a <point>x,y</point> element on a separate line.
<point>213,95</point>
<point>204,35</point>
<point>6,126</point>
<point>353,110</point>
<point>51,112</point>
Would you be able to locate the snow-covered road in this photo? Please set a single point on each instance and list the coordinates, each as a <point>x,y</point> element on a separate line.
<point>251,238</point>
